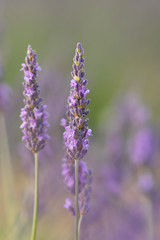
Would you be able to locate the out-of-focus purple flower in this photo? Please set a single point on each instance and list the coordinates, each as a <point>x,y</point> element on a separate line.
<point>33,115</point>
<point>117,215</point>
<point>143,146</point>
<point>114,146</point>
<point>117,220</point>
<point>68,172</point>
<point>131,141</point>
<point>68,205</point>
<point>146,182</point>
<point>84,198</point>
<point>132,112</point>
<point>54,89</point>
<point>84,181</point>
<point>77,131</point>
<point>119,209</point>
<point>117,168</point>
<point>5,93</point>
<point>113,177</point>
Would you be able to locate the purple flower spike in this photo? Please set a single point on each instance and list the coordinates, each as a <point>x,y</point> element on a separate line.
<point>76,134</point>
<point>33,115</point>
<point>76,126</point>
<point>144,145</point>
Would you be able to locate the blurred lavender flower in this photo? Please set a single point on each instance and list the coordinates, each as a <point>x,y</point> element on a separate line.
<point>84,197</point>
<point>54,89</point>
<point>33,115</point>
<point>113,218</point>
<point>76,134</point>
<point>128,169</point>
<point>5,91</point>
<point>5,94</point>
<point>146,182</point>
<point>132,112</point>
<point>68,205</point>
<point>68,173</point>
<point>143,146</point>
<point>130,134</point>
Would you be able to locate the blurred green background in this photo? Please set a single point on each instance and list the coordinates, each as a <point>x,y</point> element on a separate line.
<point>121,40</point>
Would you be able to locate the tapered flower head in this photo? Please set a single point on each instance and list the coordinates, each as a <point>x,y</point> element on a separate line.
<point>76,126</point>
<point>33,115</point>
<point>76,134</point>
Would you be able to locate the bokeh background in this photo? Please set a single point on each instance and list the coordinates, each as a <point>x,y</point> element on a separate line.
<point>122,58</point>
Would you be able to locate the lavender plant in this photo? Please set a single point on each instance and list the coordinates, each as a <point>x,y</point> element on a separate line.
<point>48,169</point>
<point>34,118</point>
<point>129,169</point>
<point>77,176</point>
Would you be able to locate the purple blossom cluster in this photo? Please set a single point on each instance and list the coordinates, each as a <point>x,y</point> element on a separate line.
<point>76,134</point>
<point>84,197</point>
<point>68,172</point>
<point>76,126</point>
<point>33,115</point>
<point>132,144</point>
<point>84,181</point>
<point>129,169</point>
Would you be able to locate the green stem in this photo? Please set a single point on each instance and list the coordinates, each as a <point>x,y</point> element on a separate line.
<point>34,224</point>
<point>79,224</point>
<point>76,199</point>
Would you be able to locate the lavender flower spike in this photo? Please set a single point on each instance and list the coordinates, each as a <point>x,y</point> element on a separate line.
<point>34,119</point>
<point>76,126</point>
<point>33,115</point>
<point>76,175</point>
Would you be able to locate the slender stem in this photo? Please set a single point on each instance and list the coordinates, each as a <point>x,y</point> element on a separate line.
<point>79,224</point>
<point>35,213</point>
<point>76,199</point>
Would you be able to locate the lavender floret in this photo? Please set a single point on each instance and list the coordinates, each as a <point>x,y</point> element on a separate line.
<point>33,115</point>
<point>68,205</point>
